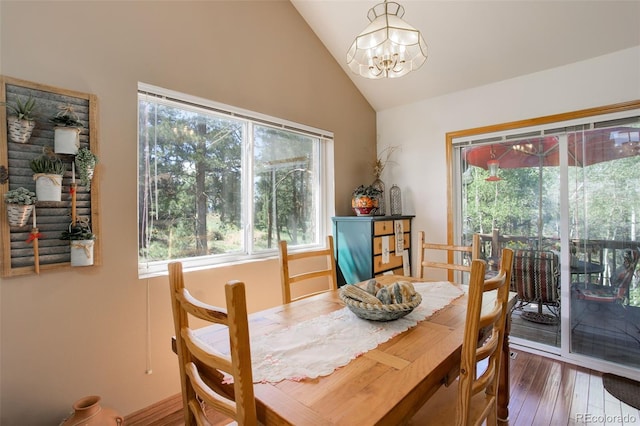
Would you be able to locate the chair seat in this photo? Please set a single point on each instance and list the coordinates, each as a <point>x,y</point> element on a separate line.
<point>602,294</point>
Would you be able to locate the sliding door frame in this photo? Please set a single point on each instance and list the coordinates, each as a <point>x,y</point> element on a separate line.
<point>452,169</point>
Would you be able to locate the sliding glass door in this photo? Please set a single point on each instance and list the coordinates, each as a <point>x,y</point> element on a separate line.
<point>510,195</point>
<point>604,198</point>
<point>565,196</point>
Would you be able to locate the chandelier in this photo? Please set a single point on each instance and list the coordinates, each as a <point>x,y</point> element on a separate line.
<point>627,142</point>
<point>388,47</point>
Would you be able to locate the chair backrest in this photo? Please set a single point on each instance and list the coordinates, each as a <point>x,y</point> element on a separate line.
<point>294,261</point>
<point>201,365</point>
<point>426,249</point>
<point>623,276</point>
<point>477,393</point>
<point>535,276</point>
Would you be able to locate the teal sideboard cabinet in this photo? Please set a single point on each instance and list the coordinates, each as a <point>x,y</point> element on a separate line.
<point>360,242</point>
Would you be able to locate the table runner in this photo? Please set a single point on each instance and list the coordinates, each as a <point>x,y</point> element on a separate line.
<point>318,346</point>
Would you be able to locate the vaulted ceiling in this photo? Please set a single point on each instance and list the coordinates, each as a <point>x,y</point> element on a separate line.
<point>473,43</point>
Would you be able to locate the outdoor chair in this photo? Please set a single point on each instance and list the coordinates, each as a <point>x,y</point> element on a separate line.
<point>535,278</point>
<point>472,398</point>
<point>201,367</point>
<point>612,298</point>
<point>294,271</point>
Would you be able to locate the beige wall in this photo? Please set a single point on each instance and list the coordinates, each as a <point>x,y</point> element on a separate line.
<point>68,334</point>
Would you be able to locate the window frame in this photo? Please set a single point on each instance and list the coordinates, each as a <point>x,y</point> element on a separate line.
<point>325,193</point>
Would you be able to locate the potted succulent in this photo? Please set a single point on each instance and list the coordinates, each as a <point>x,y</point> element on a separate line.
<point>66,137</point>
<point>20,203</point>
<point>48,171</point>
<point>82,241</point>
<point>20,120</point>
<point>365,200</point>
<point>85,162</point>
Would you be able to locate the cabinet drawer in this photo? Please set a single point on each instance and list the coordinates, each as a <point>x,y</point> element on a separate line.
<point>394,262</point>
<point>377,243</point>
<point>385,227</point>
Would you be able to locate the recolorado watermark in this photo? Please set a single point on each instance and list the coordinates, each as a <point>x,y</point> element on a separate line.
<point>606,418</point>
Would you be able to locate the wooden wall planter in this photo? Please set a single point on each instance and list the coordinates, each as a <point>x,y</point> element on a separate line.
<point>52,217</point>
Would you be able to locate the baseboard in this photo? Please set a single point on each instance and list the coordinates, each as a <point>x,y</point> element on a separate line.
<point>155,412</point>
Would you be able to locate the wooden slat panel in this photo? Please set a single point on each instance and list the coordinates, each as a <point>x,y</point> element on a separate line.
<point>52,217</point>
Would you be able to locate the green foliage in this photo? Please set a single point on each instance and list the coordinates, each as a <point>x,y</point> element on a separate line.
<point>24,111</point>
<point>79,232</point>
<point>20,196</point>
<point>85,164</point>
<point>191,185</point>
<point>66,121</point>
<point>47,164</point>
<point>66,118</point>
<point>367,191</point>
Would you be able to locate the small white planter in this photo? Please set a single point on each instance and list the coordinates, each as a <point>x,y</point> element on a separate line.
<point>48,187</point>
<point>82,252</point>
<point>19,130</point>
<point>66,140</point>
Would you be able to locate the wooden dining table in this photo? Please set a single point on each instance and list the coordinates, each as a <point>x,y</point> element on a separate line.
<point>384,386</point>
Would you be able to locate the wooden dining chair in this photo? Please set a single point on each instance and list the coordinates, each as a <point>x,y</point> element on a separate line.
<point>473,397</point>
<point>204,371</point>
<point>293,270</point>
<point>427,251</point>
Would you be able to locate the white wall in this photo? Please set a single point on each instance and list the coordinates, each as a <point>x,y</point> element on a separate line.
<point>66,334</point>
<point>420,167</point>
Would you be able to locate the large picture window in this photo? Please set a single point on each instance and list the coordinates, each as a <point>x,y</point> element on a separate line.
<point>218,184</point>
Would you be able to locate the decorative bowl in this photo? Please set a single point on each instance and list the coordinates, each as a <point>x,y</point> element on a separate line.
<point>380,312</point>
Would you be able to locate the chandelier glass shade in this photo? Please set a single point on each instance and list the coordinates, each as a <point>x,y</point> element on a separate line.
<point>627,141</point>
<point>388,47</point>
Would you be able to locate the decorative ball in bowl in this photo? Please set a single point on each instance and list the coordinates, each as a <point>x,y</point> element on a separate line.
<point>379,302</point>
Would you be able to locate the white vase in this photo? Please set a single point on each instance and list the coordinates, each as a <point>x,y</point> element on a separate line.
<point>82,252</point>
<point>66,140</point>
<point>48,187</point>
<point>19,129</point>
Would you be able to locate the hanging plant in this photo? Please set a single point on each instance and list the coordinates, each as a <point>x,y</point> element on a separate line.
<point>48,171</point>
<point>81,241</point>
<point>66,135</point>
<point>66,117</point>
<point>21,196</point>
<point>47,164</point>
<point>20,205</point>
<point>85,163</point>
<point>78,232</point>
<point>20,120</point>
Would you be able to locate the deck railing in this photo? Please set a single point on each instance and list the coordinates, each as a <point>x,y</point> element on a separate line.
<point>606,253</point>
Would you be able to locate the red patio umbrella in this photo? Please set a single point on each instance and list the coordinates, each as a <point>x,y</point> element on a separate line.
<point>585,148</point>
<point>601,145</point>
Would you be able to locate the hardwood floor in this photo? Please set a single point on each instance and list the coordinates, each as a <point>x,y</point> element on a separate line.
<point>609,334</point>
<point>544,391</point>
